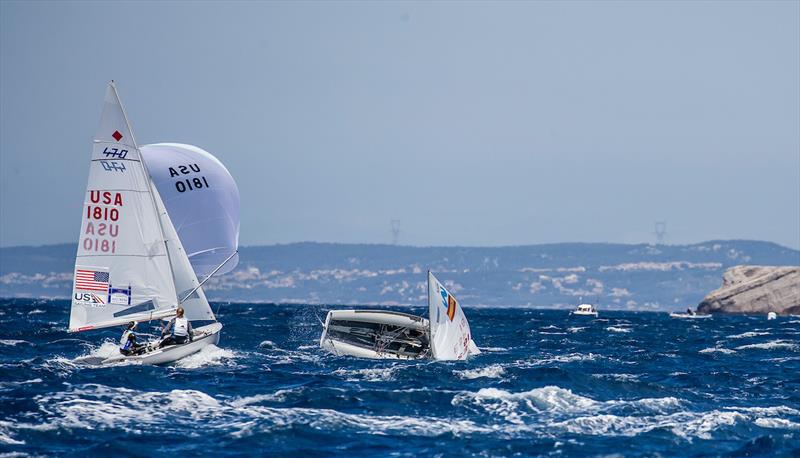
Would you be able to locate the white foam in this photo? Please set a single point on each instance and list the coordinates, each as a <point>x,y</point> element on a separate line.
<point>576,329</point>
<point>746,335</point>
<point>561,359</point>
<point>377,374</point>
<point>493,349</point>
<point>618,329</point>
<point>35,312</point>
<point>725,351</point>
<point>771,345</point>
<point>618,377</point>
<point>13,342</point>
<point>492,371</point>
<point>210,355</point>
<point>780,423</point>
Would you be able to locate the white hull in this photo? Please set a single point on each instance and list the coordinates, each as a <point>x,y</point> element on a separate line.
<point>340,347</point>
<point>204,336</point>
<point>594,314</point>
<point>688,316</point>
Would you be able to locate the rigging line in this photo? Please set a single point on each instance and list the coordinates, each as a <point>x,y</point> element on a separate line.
<point>209,276</point>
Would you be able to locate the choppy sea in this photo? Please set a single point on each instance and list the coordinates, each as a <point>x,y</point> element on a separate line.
<point>631,384</point>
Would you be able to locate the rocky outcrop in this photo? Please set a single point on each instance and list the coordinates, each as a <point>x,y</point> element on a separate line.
<point>756,289</point>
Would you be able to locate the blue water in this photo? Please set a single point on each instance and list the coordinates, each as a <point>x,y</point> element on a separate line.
<point>546,384</point>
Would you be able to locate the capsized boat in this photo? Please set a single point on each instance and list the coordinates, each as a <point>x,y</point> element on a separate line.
<point>381,334</point>
<point>585,310</point>
<point>131,264</point>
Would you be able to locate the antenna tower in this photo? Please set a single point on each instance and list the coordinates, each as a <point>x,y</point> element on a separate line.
<point>395,231</point>
<point>660,232</point>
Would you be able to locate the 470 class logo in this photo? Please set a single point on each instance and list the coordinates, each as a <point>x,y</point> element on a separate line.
<point>90,299</point>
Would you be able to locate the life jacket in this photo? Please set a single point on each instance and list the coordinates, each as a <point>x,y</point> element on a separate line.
<point>181,327</point>
<point>125,341</point>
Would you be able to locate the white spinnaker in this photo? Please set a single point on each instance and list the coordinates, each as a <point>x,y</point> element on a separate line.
<point>202,199</point>
<point>450,334</point>
<point>121,243</point>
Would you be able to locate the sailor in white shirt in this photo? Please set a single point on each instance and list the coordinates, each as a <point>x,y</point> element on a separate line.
<point>178,331</point>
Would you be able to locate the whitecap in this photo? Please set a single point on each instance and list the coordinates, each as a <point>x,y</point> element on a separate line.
<point>376,374</point>
<point>618,329</point>
<point>493,349</point>
<point>210,355</point>
<point>779,423</point>
<point>771,345</point>
<point>492,371</point>
<point>725,351</point>
<point>749,334</point>
<point>13,342</point>
<point>36,312</point>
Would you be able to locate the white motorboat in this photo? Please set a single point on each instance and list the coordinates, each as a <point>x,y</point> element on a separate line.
<point>585,310</point>
<point>689,315</point>
<point>772,316</point>
<point>132,265</point>
<point>382,334</point>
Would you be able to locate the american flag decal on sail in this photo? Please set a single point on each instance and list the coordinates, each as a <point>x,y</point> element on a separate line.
<point>91,280</point>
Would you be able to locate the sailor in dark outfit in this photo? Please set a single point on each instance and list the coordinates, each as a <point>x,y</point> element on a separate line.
<point>127,343</point>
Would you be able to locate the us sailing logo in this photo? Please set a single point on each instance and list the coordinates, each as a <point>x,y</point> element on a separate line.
<point>88,284</point>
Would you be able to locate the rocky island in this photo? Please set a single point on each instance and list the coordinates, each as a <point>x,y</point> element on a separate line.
<point>756,289</point>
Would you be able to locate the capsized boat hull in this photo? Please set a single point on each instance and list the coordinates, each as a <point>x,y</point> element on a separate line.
<point>375,334</point>
<point>204,336</point>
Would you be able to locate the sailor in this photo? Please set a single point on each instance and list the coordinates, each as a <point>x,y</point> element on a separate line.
<point>127,343</point>
<point>178,331</point>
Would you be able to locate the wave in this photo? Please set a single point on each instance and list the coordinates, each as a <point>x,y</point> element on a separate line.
<point>13,342</point>
<point>491,371</point>
<point>210,355</point>
<point>618,329</point>
<point>771,345</point>
<point>749,334</point>
<point>378,374</point>
<point>725,351</point>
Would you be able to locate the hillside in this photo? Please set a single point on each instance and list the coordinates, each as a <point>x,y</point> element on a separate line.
<point>632,277</point>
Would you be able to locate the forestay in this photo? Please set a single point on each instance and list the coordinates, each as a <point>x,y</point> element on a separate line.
<point>202,199</point>
<point>129,257</point>
<point>450,334</point>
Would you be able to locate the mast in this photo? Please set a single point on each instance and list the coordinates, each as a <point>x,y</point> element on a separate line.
<point>149,182</point>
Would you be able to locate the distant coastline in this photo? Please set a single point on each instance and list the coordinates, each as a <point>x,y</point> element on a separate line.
<point>614,276</point>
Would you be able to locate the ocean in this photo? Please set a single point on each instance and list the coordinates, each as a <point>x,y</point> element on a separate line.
<point>547,383</point>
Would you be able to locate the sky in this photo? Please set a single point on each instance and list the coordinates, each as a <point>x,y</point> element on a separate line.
<point>478,124</point>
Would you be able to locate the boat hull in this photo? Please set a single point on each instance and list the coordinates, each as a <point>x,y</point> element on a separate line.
<point>204,336</point>
<point>594,314</point>
<point>687,316</point>
<point>342,344</point>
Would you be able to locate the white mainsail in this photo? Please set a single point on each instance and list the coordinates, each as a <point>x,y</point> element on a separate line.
<point>450,334</point>
<point>130,259</point>
<point>202,200</point>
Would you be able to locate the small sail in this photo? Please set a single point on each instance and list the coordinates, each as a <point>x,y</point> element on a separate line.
<point>450,334</point>
<point>122,268</point>
<point>191,298</point>
<point>202,199</point>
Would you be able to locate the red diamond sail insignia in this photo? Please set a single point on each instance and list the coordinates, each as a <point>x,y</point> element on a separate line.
<point>117,136</point>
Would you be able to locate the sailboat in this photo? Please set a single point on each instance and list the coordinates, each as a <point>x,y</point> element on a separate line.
<point>381,334</point>
<point>131,264</point>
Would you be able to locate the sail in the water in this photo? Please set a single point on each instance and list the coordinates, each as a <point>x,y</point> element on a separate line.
<point>130,264</point>
<point>202,200</point>
<point>450,334</point>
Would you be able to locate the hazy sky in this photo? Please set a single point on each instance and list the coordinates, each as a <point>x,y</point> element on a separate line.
<point>472,123</point>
